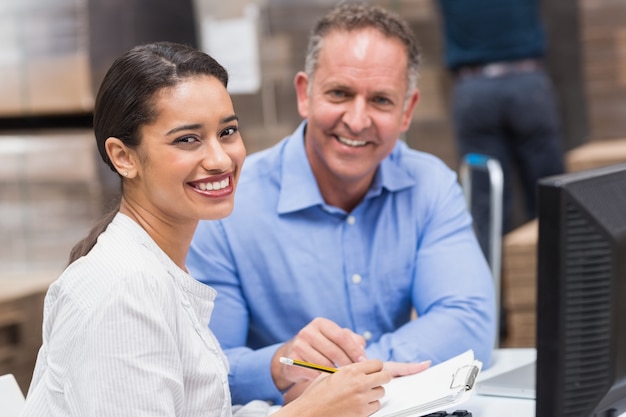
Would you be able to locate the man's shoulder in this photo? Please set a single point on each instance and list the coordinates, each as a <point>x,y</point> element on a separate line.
<point>416,161</point>
<point>263,162</point>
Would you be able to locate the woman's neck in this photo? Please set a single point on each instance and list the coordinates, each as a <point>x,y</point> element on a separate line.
<point>173,238</point>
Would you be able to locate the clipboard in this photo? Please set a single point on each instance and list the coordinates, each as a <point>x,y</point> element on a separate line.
<point>440,387</point>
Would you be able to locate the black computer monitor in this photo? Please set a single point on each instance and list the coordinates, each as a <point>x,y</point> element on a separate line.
<point>581,294</point>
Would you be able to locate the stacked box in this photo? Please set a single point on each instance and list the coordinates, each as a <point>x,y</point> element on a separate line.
<point>44,58</point>
<point>596,154</point>
<point>21,315</point>
<point>604,50</point>
<point>49,196</point>
<point>519,250</point>
<point>519,285</point>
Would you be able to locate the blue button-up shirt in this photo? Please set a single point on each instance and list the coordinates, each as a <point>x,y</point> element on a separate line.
<point>285,257</point>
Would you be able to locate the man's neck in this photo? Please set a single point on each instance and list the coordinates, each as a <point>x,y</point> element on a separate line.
<point>345,196</point>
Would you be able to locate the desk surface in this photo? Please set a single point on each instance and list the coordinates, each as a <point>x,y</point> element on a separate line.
<point>488,406</point>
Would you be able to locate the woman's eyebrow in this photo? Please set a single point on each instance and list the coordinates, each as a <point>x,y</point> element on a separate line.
<point>230,118</point>
<point>184,127</point>
<point>196,126</point>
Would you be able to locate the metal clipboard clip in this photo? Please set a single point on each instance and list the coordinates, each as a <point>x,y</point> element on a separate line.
<point>464,377</point>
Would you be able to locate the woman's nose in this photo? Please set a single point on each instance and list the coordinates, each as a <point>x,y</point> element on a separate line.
<point>215,157</point>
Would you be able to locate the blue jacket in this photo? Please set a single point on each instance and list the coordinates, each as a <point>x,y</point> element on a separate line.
<point>483,31</point>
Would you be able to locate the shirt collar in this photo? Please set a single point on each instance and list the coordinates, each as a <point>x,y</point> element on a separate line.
<point>192,286</point>
<point>299,188</point>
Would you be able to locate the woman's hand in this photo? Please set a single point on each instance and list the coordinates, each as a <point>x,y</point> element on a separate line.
<point>354,390</point>
<point>395,369</point>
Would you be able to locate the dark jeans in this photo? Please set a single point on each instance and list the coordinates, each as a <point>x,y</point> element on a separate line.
<point>514,119</point>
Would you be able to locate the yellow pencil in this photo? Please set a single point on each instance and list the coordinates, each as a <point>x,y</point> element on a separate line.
<point>296,362</point>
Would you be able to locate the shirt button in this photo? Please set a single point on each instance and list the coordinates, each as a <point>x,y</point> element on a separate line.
<point>356,278</point>
<point>351,220</point>
<point>367,335</point>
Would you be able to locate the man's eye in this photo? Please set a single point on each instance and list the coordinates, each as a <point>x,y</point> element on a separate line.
<point>337,93</point>
<point>382,100</point>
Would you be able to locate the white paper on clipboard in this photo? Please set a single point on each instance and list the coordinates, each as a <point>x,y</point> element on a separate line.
<point>443,386</point>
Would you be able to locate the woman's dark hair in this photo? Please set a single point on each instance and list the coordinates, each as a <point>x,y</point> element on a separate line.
<point>126,99</point>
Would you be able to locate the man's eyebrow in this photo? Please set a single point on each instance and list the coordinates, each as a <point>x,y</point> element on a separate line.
<point>334,85</point>
<point>196,126</point>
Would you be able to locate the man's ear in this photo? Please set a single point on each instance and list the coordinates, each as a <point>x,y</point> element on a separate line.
<point>121,157</point>
<point>407,115</point>
<point>301,82</point>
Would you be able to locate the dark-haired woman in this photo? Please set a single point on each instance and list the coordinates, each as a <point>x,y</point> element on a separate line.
<point>125,326</point>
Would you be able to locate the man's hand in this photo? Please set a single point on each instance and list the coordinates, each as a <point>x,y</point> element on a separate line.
<point>404,369</point>
<point>321,341</point>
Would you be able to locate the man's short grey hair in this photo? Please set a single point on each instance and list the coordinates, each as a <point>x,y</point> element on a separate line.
<point>356,16</point>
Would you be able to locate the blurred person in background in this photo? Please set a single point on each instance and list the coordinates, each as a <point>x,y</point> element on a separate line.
<point>341,231</point>
<point>503,101</point>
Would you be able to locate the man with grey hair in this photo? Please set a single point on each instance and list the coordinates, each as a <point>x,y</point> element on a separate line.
<point>340,231</point>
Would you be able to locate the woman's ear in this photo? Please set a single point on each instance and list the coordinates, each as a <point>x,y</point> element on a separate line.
<point>121,157</point>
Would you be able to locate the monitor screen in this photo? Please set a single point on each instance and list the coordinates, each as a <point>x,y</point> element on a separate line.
<point>581,294</point>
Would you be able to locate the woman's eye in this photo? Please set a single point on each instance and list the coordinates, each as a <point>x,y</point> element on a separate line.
<point>229,131</point>
<point>186,139</point>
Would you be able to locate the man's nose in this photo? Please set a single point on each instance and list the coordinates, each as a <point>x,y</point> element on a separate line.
<point>357,117</point>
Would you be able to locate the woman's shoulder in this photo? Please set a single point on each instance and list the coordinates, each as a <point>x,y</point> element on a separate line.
<point>116,265</point>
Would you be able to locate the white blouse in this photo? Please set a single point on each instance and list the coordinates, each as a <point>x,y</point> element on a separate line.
<point>125,333</point>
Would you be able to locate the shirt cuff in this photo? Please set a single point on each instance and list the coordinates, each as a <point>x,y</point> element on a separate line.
<point>250,375</point>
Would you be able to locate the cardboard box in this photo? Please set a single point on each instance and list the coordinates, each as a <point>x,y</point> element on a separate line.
<point>519,284</point>
<point>596,154</point>
<point>44,58</point>
<point>519,249</point>
<point>50,196</point>
<point>520,266</point>
<point>604,65</point>
<point>21,315</point>
<point>522,325</point>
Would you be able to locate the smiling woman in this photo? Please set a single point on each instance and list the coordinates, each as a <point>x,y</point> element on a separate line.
<point>136,107</point>
<point>125,328</point>
<point>195,139</point>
